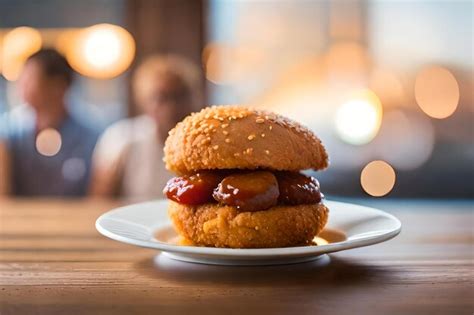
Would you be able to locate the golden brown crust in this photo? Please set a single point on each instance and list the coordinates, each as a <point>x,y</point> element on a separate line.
<point>235,137</point>
<point>223,226</point>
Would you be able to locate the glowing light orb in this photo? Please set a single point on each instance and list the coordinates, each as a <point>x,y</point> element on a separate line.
<point>358,120</point>
<point>377,178</point>
<point>437,92</point>
<point>102,48</point>
<point>48,142</point>
<point>102,51</point>
<point>18,45</point>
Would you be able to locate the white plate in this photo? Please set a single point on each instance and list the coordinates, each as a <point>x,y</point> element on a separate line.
<point>148,225</point>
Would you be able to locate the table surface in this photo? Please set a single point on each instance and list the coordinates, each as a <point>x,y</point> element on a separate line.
<point>53,261</point>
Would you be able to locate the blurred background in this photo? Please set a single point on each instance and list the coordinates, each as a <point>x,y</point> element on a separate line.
<point>387,85</point>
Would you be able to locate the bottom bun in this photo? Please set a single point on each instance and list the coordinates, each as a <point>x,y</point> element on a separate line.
<point>223,226</point>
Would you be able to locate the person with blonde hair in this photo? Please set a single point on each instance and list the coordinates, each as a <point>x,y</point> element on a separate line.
<point>127,161</point>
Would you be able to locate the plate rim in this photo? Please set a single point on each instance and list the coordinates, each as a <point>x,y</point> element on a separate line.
<point>254,252</point>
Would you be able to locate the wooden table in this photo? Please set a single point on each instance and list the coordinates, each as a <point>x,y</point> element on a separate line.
<point>52,261</point>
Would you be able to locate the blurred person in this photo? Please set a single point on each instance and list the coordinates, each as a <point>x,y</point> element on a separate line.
<point>44,121</point>
<point>128,160</point>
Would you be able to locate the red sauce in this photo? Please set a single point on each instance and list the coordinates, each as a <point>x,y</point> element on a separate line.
<point>298,189</point>
<point>192,189</point>
<point>247,191</point>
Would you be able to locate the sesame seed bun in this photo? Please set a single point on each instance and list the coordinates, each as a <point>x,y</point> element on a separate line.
<point>224,226</point>
<point>235,137</point>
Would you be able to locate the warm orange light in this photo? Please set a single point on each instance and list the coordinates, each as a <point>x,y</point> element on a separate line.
<point>347,60</point>
<point>48,142</point>
<point>320,241</point>
<point>1,53</point>
<point>437,92</point>
<point>65,40</point>
<point>358,120</point>
<point>377,178</point>
<point>102,51</point>
<point>299,92</point>
<point>225,64</point>
<point>18,45</point>
<point>212,59</point>
<point>388,87</point>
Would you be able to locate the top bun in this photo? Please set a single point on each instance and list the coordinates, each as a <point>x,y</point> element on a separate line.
<point>235,137</point>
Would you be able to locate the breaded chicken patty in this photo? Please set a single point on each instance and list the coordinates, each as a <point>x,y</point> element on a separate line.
<point>224,226</point>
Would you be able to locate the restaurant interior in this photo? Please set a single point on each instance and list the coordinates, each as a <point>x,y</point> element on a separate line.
<point>386,85</point>
<point>395,116</point>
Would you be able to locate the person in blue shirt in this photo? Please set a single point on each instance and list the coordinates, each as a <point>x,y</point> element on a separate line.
<point>44,151</point>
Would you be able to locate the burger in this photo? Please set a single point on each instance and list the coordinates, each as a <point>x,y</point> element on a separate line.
<point>239,182</point>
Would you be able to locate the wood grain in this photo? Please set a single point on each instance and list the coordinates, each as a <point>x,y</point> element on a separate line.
<point>52,261</point>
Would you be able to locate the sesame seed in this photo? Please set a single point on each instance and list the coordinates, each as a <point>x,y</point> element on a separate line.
<point>227,140</point>
<point>263,135</point>
<point>237,154</point>
<point>267,152</point>
<point>260,120</point>
<point>251,137</point>
<point>215,147</point>
<point>225,132</point>
<point>270,127</point>
<point>248,151</point>
<point>224,125</point>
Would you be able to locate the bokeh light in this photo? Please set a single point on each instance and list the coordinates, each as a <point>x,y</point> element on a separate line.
<point>74,169</point>
<point>66,39</point>
<point>347,60</point>
<point>437,92</point>
<point>18,45</point>
<point>48,142</point>
<point>1,53</point>
<point>102,51</point>
<point>358,120</point>
<point>377,178</point>
<point>405,140</point>
<point>225,64</point>
<point>388,87</point>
